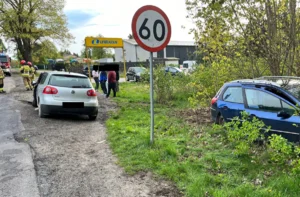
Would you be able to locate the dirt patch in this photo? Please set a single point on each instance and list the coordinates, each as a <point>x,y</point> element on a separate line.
<point>198,116</point>
<point>73,158</point>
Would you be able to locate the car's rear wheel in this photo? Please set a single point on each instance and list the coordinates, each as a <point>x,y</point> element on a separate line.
<point>92,117</point>
<point>220,120</point>
<point>34,102</point>
<point>41,113</point>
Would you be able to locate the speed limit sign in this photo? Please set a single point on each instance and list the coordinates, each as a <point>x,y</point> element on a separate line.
<point>151,28</point>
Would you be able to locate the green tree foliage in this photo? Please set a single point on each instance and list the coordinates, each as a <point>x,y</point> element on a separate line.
<point>27,21</point>
<point>43,51</point>
<point>243,39</point>
<point>97,53</point>
<point>2,46</point>
<point>130,36</point>
<point>258,31</point>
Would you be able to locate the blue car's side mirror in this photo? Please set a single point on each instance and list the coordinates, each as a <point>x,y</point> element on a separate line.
<point>283,114</point>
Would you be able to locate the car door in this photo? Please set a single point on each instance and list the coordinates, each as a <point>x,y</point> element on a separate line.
<point>41,83</point>
<point>231,103</point>
<point>173,71</point>
<point>266,106</point>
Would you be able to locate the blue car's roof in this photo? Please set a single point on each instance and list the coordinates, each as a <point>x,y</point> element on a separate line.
<point>254,82</point>
<point>265,83</point>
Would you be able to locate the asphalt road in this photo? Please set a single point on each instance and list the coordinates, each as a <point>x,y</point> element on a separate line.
<point>17,173</point>
<point>70,154</point>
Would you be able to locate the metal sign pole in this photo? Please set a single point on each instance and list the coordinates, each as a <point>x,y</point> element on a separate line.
<point>151,99</point>
<point>124,61</point>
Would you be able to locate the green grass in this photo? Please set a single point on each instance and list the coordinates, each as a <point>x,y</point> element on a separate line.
<point>196,159</point>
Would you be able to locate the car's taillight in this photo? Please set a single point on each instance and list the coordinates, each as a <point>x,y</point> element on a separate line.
<point>50,90</point>
<point>214,100</point>
<point>91,93</point>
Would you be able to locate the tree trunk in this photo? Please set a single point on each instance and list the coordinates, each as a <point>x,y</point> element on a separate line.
<point>273,55</point>
<point>25,48</point>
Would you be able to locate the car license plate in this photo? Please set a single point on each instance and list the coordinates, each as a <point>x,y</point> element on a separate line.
<point>73,105</point>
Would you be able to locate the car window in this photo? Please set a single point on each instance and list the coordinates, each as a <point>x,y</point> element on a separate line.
<point>43,78</point>
<point>233,94</point>
<point>263,101</point>
<point>185,65</point>
<point>3,59</point>
<point>69,81</point>
<point>173,70</point>
<point>288,108</point>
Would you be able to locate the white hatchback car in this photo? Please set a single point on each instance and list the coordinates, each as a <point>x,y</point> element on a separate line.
<point>65,93</point>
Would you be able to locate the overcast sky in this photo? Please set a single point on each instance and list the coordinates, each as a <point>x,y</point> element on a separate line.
<point>112,18</point>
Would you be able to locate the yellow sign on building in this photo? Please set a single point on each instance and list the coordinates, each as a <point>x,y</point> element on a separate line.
<point>103,42</point>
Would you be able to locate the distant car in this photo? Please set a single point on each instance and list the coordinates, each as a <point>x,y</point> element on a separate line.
<point>65,93</point>
<point>189,65</point>
<point>85,70</point>
<point>134,73</point>
<point>5,64</point>
<point>172,70</point>
<point>263,99</point>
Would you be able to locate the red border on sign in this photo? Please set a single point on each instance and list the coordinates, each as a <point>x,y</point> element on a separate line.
<point>135,34</point>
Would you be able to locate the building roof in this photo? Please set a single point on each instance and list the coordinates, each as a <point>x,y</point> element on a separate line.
<point>171,43</point>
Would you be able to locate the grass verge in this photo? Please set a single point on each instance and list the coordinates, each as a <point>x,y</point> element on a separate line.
<point>195,158</point>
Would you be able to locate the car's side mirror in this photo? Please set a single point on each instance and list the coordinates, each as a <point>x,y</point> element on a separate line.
<point>33,83</point>
<point>283,114</point>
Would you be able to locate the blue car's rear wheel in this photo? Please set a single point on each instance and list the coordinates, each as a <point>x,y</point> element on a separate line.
<point>220,119</point>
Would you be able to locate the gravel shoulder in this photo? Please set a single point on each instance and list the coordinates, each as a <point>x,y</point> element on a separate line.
<point>73,158</point>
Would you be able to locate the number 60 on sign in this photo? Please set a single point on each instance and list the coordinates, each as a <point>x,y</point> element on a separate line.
<point>151,28</point>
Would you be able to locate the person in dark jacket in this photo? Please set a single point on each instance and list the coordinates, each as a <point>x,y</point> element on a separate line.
<point>103,79</point>
<point>112,80</point>
<point>117,83</point>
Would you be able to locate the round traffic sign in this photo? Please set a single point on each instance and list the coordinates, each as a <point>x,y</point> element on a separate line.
<point>151,28</point>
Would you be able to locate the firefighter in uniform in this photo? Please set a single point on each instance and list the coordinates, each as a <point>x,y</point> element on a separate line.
<point>32,72</point>
<point>26,74</point>
<point>2,76</point>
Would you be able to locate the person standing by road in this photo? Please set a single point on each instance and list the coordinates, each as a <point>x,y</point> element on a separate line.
<point>117,83</point>
<point>112,80</point>
<point>32,72</point>
<point>95,75</point>
<point>2,76</point>
<point>103,79</point>
<point>26,72</point>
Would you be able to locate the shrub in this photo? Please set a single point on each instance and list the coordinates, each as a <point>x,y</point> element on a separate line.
<point>145,77</point>
<point>280,149</point>
<point>243,133</point>
<point>207,80</point>
<point>163,85</point>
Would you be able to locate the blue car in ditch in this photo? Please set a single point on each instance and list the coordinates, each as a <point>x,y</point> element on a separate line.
<point>274,101</point>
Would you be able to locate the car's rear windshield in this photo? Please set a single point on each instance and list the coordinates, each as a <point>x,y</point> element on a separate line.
<point>3,59</point>
<point>140,69</point>
<point>69,81</point>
